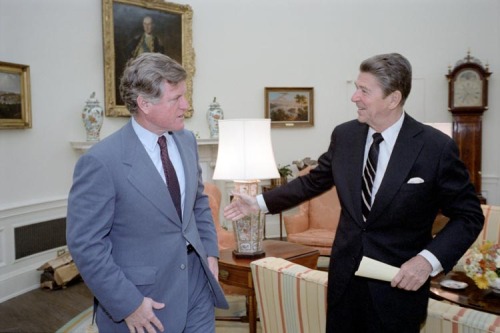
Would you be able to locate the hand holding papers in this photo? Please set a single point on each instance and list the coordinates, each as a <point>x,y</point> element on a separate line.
<point>374,269</point>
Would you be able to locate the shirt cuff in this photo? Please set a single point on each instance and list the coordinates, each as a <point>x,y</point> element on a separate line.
<point>262,204</point>
<point>436,265</point>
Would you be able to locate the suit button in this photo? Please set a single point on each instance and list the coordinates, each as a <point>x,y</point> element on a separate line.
<point>183,266</point>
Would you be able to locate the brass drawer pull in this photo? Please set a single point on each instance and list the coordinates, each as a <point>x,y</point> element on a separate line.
<point>224,274</point>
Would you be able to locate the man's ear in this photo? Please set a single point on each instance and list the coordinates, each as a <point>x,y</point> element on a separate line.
<point>395,98</point>
<point>143,104</point>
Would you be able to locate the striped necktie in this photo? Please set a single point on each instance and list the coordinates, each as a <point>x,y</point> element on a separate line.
<point>369,175</point>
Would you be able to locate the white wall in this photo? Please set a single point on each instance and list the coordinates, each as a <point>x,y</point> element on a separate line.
<point>241,47</point>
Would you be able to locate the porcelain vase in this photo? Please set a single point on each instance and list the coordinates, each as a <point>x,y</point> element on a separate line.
<point>214,114</point>
<point>92,117</point>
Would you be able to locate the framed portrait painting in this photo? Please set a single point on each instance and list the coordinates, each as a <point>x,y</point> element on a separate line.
<point>132,27</point>
<point>290,107</point>
<point>15,98</point>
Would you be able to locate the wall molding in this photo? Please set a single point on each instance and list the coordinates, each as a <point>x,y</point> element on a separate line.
<point>21,275</point>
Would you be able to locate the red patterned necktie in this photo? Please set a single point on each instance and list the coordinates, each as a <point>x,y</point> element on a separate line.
<point>369,175</point>
<point>170,175</point>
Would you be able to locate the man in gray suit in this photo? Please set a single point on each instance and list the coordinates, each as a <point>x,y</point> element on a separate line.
<point>418,173</point>
<point>152,267</point>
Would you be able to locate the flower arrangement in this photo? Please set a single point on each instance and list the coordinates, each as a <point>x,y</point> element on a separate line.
<point>482,264</point>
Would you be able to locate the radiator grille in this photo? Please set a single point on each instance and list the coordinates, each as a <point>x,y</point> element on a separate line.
<point>39,237</point>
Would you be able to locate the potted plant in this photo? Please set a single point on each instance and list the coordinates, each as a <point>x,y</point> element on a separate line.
<point>284,172</point>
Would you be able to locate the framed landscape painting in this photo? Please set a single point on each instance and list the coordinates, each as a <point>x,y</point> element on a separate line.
<point>290,107</point>
<point>132,27</point>
<point>15,99</point>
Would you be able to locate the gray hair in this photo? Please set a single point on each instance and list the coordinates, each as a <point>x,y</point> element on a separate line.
<point>393,72</point>
<point>145,76</point>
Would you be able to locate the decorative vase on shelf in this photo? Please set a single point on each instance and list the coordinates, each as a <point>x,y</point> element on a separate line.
<point>214,114</point>
<point>92,116</point>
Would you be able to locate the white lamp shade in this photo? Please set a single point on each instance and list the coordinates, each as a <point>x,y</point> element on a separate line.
<point>245,150</point>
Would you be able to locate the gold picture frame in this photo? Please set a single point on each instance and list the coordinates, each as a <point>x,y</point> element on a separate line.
<point>290,107</point>
<point>15,96</point>
<point>123,21</point>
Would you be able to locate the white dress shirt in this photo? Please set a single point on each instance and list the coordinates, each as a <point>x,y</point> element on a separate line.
<point>150,142</point>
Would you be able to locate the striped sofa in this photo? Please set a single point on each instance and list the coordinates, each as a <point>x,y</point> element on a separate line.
<point>443,317</point>
<point>292,298</point>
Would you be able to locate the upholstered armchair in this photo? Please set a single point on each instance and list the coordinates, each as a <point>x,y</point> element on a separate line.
<point>291,297</point>
<point>226,238</point>
<point>316,222</point>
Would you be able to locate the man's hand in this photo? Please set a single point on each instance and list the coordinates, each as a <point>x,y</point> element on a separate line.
<point>143,318</point>
<point>213,264</point>
<point>241,206</point>
<point>412,274</point>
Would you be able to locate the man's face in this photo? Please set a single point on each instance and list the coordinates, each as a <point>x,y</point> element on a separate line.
<point>148,25</point>
<point>373,107</point>
<point>168,113</point>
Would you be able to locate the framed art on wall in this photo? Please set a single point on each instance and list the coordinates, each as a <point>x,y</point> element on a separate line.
<point>125,24</point>
<point>15,97</point>
<point>290,107</point>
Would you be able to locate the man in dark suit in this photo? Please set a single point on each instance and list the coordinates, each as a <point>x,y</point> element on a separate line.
<point>417,174</point>
<point>140,233</point>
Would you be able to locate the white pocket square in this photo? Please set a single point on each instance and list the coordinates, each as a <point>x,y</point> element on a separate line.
<point>415,180</point>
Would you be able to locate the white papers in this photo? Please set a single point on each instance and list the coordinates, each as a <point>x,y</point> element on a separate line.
<point>375,269</point>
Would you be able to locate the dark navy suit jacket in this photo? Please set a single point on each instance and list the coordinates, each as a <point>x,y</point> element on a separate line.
<point>399,225</point>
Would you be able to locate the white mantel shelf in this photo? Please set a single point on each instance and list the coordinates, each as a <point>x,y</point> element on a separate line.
<point>205,142</point>
<point>83,146</point>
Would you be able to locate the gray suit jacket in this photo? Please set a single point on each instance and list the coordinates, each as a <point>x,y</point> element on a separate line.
<point>124,233</point>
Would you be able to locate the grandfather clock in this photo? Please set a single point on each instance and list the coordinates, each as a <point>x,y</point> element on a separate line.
<point>467,101</point>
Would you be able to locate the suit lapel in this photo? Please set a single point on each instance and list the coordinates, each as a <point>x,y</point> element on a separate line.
<point>185,148</point>
<point>404,154</point>
<point>353,158</point>
<point>143,174</point>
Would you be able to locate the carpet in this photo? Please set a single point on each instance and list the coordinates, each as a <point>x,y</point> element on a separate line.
<point>82,322</point>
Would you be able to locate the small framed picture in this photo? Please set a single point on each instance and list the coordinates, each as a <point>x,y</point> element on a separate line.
<point>290,107</point>
<point>15,99</point>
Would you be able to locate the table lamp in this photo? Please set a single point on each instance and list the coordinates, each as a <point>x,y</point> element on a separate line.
<point>245,156</point>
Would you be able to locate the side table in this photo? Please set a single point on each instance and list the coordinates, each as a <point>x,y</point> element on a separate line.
<point>470,297</point>
<point>236,271</point>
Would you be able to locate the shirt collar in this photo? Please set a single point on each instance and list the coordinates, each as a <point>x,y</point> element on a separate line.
<point>148,139</point>
<point>391,133</point>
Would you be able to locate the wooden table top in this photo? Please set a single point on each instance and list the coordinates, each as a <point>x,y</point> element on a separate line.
<point>470,297</point>
<point>272,248</point>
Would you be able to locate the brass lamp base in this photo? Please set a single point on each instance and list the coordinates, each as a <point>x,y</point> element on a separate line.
<point>254,255</point>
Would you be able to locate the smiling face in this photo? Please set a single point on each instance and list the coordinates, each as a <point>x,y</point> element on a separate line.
<point>166,114</point>
<point>374,109</point>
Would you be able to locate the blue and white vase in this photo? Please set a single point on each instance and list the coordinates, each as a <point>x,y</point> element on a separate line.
<point>92,116</point>
<point>214,114</point>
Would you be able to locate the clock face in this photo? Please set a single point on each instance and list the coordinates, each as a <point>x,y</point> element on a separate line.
<point>468,89</point>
